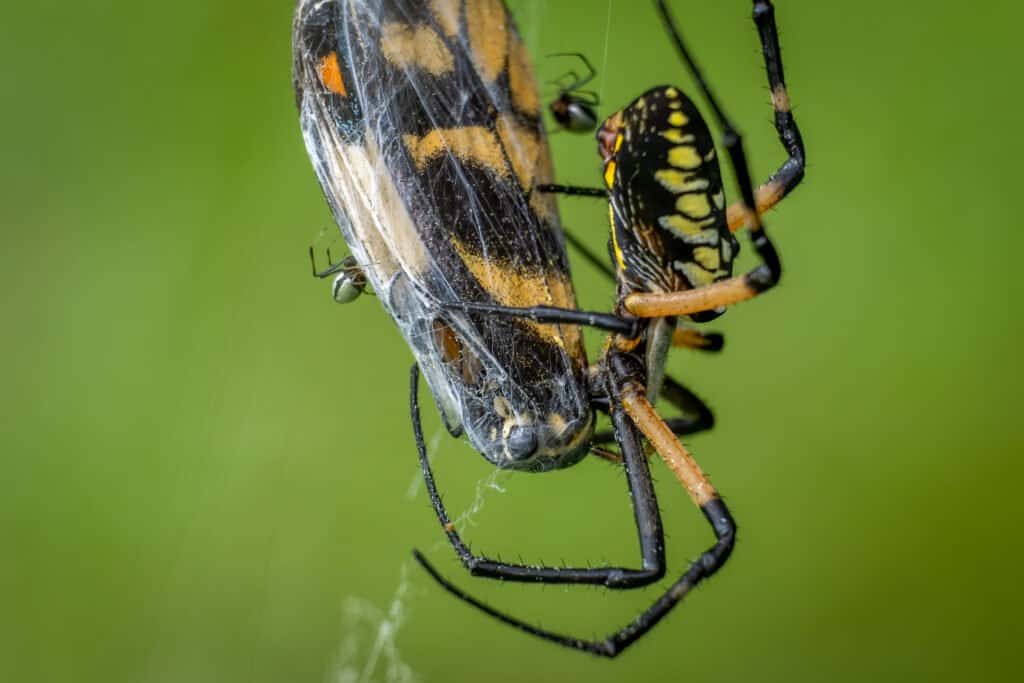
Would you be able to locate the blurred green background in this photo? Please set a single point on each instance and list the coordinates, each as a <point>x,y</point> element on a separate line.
<point>208,472</point>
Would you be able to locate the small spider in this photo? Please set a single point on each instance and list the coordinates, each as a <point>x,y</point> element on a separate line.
<point>574,108</point>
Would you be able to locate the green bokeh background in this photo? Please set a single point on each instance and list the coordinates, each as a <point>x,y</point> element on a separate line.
<point>207,468</point>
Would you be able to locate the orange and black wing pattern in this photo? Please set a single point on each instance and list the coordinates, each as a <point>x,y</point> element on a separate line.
<point>423,124</point>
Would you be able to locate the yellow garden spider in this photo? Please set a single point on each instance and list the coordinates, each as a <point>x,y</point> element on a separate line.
<point>672,247</point>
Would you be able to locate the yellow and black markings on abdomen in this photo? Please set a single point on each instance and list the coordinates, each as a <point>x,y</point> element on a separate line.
<point>668,205</point>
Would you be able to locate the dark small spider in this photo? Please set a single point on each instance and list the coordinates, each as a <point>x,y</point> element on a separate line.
<point>574,108</point>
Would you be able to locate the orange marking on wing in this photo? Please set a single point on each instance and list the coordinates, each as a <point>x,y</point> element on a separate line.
<point>520,78</point>
<point>488,36</point>
<point>415,47</point>
<point>522,146</point>
<point>475,144</point>
<point>519,288</point>
<point>447,14</point>
<point>330,74</point>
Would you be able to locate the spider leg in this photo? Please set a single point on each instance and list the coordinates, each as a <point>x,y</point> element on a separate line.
<point>691,338</point>
<point>645,511</point>
<point>554,315</point>
<point>577,82</point>
<point>632,400</point>
<point>688,337</point>
<point>332,268</point>
<point>588,97</point>
<point>697,417</point>
<point>574,190</point>
<point>571,75</point>
<point>613,323</point>
<point>791,172</point>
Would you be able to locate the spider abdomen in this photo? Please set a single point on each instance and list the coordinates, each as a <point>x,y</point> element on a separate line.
<point>669,228</point>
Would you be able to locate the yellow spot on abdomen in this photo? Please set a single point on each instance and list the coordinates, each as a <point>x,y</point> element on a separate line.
<point>678,137</point>
<point>673,181</point>
<point>330,74</point>
<point>679,225</point>
<point>706,257</point>
<point>689,231</point>
<point>697,276</point>
<point>694,206</point>
<point>677,181</point>
<point>678,119</point>
<point>609,173</point>
<point>684,156</point>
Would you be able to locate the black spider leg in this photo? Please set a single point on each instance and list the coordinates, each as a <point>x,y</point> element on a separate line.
<point>573,190</point>
<point>715,511</point>
<point>791,172</point>
<point>553,314</point>
<point>645,511</point>
<point>767,275</point>
<point>697,417</point>
<point>610,322</point>
<point>577,81</point>
<point>332,268</point>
